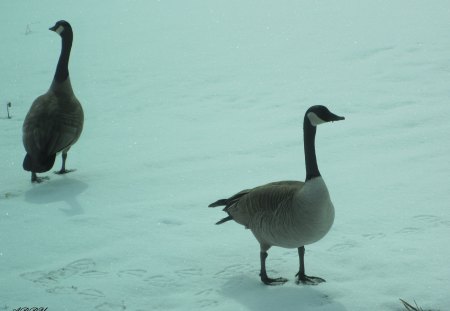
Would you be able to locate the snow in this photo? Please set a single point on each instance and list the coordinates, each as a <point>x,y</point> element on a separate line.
<point>187,102</point>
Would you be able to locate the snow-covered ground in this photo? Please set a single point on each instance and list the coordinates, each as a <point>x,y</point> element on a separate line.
<point>191,101</point>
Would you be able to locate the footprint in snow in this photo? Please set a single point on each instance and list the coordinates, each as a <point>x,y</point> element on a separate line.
<point>445,223</point>
<point>207,303</point>
<point>62,290</point>
<point>39,277</point>
<point>161,281</point>
<point>408,230</point>
<point>341,247</point>
<point>81,265</point>
<point>369,53</point>
<point>432,220</point>
<point>374,236</point>
<point>61,274</point>
<point>91,294</point>
<point>132,273</point>
<point>93,274</point>
<point>232,270</point>
<point>189,272</point>
<point>427,218</point>
<point>108,306</point>
<point>205,298</point>
<point>9,195</point>
<point>170,222</point>
<point>205,292</point>
<point>53,277</point>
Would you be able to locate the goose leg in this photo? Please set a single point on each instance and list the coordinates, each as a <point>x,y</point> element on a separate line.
<point>63,168</point>
<point>263,274</point>
<point>36,179</point>
<point>301,277</point>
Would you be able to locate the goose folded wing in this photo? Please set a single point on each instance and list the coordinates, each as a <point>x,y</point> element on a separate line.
<point>266,199</point>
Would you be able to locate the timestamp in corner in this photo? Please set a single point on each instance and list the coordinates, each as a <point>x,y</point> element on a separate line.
<point>31,309</point>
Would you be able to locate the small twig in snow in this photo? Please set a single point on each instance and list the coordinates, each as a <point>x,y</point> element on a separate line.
<point>410,307</point>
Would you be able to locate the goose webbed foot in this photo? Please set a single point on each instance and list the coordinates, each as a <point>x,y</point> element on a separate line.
<point>263,274</point>
<point>301,276</point>
<point>38,180</point>
<point>64,171</point>
<point>269,281</point>
<point>308,280</point>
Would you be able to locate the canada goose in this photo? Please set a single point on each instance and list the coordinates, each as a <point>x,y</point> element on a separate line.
<point>288,214</point>
<point>55,120</point>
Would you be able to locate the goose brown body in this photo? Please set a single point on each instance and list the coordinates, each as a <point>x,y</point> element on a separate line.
<point>288,214</point>
<point>53,124</point>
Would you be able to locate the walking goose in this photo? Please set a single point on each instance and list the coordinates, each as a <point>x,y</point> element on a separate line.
<point>288,214</point>
<point>55,120</point>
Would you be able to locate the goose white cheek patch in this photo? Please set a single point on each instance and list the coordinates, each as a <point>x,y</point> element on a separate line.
<point>314,119</point>
<point>59,30</point>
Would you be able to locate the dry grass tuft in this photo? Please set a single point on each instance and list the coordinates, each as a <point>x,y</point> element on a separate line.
<point>410,307</point>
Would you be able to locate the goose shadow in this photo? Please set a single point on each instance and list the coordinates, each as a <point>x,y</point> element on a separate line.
<point>61,190</point>
<point>259,297</point>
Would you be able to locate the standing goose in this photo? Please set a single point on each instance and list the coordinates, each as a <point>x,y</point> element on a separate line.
<point>55,120</point>
<point>288,214</point>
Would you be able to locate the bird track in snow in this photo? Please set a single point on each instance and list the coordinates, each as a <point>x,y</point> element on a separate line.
<point>426,221</point>
<point>68,280</point>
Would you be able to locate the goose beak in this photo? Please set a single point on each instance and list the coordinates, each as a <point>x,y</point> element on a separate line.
<point>336,118</point>
<point>52,28</point>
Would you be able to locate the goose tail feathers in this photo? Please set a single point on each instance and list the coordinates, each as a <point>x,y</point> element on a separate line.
<point>220,202</point>
<point>39,166</point>
<point>224,220</point>
<point>228,203</point>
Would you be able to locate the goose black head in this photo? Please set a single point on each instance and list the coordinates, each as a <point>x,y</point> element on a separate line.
<point>320,114</point>
<point>62,28</point>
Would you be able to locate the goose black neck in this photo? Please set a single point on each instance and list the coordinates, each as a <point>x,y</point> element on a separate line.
<point>62,69</point>
<point>309,136</point>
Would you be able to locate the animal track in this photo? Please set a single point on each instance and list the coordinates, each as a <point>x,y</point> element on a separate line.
<point>108,306</point>
<point>374,236</point>
<point>38,277</point>
<point>341,247</point>
<point>206,303</point>
<point>189,272</point>
<point>132,273</point>
<point>205,298</point>
<point>72,280</point>
<point>82,264</point>
<point>409,230</point>
<point>170,222</point>
<point>62,290</point>
<point>92,293</point>
<point>445,223</point>
<point>232,270</point>
<point>369,53</point>
<point>93,274</point>
<point>9,195</point>
<point>62,273</point>
<point>431,219</point>
<point>54,276</point>
<point>160,281</point>
<point>428,221</point>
